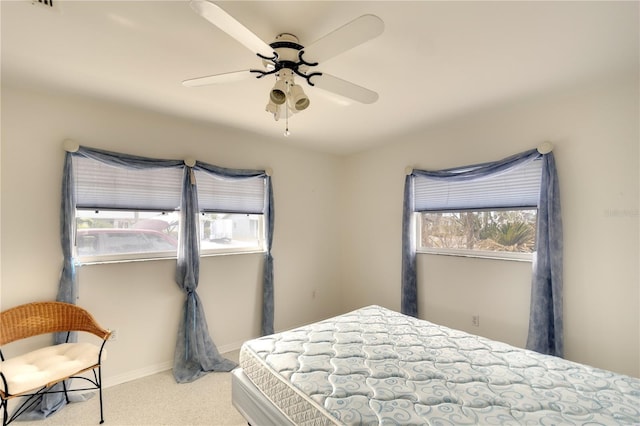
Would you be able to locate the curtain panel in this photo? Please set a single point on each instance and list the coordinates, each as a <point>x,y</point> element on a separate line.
<point>545,323</point>
<point>68,288</point>
<point>268,307</point>
<point>51,403</point>
<point>409,290</point>
<point>546,318</point>
<point>196,354</point>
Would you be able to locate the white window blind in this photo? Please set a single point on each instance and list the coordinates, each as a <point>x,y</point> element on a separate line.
<point>230,195</point>
<point>101,186</point>
<point>516,188</point>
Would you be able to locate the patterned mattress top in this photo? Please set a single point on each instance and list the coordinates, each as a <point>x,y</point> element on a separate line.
<point>376,366</point>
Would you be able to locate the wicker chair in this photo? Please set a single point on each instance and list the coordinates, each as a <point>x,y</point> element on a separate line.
<point>32,374</point>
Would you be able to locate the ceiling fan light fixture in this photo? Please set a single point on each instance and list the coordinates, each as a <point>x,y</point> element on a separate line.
<point>298,100</point>
<point>278,94</point>
<point>273,109</point>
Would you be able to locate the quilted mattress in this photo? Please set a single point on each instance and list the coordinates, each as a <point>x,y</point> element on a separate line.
<point>376,366</point>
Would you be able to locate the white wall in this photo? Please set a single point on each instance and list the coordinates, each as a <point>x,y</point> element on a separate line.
<point>338,225</point>
<point>596,132</point>
<point>141,299</point>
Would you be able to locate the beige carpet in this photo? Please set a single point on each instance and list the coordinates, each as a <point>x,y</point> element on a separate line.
<point>156,400</point>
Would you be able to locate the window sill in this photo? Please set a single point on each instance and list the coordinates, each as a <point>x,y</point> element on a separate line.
<point>125,259</point>
<point>231,253</point>
<point>510,256</point>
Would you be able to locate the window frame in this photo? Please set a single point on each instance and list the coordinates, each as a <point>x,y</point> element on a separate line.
<point>92,180</point>
<point>259,248</point>
<point>213,198</point>
<point>458,196</point>
<point>117,257</point>
<point>475,253</point>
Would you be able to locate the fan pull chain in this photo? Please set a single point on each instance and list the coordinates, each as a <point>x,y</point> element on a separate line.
<point>286,130</point>
<point>286,114</point>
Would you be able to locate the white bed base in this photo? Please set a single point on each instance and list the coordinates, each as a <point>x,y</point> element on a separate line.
<point>254,406</point>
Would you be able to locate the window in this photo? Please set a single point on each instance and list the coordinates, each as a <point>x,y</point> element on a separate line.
<point>113,235</point>
<point>223,232</point>
<point>494,216</point>
<point>125,213</point>
<point>123,234</point>
<point>231,218</point>
<point>489,233</point>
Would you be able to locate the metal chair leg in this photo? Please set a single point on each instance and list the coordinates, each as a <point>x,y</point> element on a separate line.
<point>100,393</point>
<point>5,412</point>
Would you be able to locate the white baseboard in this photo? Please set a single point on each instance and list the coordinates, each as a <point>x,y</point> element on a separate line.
<point>231,347</point>
<point>137,374</point>
<point>158,368</point>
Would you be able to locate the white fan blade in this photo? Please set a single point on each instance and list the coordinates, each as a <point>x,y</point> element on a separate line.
<point>345,88</point>
<point>218,78</point>
<point>344,38</point>
<point>227,23</point>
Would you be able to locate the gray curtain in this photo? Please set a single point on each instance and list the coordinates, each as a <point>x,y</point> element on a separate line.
<point>268,308</point>
<point>545,320</point>
<point>409,290</point>
<point>196,354</point>
<point>545,323</point>
<point>67,289</point>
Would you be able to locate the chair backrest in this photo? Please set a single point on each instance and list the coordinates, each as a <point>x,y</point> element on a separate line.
<point>37,318</point>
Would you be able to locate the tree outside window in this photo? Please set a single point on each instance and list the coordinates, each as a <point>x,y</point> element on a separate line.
<point>486,230</point>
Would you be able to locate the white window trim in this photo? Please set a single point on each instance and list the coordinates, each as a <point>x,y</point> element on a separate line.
<point>482,254</point>
<point>162,255</point>
<point>258,248</point>
<point>248,250</point>
<point>143,256</point>
<point>124,258</point>
<point>154,256</point>
<point>235,250</point>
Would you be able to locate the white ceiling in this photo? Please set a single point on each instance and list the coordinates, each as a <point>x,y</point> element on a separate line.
<point>435,60</point>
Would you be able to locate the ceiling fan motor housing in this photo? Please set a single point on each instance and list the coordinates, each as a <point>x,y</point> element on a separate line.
<point>287,47</point>
<point>287,56</point>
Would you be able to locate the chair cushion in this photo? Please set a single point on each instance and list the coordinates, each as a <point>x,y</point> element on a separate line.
<point>46,365</point>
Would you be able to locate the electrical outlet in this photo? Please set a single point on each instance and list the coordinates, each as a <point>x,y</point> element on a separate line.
<point>475,320</point>
<point>114,335</point>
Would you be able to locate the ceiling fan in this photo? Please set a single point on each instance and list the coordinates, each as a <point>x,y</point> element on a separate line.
<point>285,58</point>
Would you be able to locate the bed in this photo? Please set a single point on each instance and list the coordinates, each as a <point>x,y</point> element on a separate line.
<point>377,366</point>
